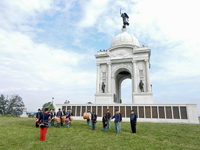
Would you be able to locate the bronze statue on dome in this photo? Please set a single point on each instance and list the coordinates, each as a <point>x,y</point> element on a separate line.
<point>125,19</point>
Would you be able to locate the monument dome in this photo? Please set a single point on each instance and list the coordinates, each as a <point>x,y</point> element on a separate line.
<point>124,39</point>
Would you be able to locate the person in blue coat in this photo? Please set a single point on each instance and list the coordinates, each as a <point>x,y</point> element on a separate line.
<point>120,120</point>
<point>133,121</point>
<point>88,120</point>
<point>108,115</point>
<point>59,114</point>
<point>117,120</point>
<point>63,115</point>
<point>44,124</point>
<point>37,118</point>
<point>94,120</point>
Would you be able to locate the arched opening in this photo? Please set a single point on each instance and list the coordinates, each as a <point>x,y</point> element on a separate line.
<point>121,75</point>
<point>126,91</point>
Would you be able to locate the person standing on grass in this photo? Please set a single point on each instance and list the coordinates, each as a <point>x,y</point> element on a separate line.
<point>108,115</point>
<point>37,118</point>
<point>94,120</point>
<point>44,124</point>
<point>63,115</point>
<point>133,120</point>
<point>120,120</point>
<point>71,114</point>
<point>67,121</point>
<point>117,120</point>
<point>104,120</point>
<point>59,114</point>
<point>53,115</point>
<point>88,120</point>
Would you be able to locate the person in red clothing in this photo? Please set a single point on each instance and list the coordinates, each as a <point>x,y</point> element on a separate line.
<point>44,124</point>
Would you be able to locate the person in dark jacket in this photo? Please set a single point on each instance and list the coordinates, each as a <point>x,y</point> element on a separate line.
<point>120,120</point>
<point>53,116</point>
<point>44,124</point>
<point>104,120</point>
<point>117,120</point>
<point>70,117</point>
<point>59,114</point>
<point>88,120</point>
<point>94,120</point>
<point>37,118</point>
<point>133,120</point>
<point>108,115</point>
<point>63,115</point>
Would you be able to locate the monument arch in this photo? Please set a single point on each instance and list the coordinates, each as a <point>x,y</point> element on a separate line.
<point>124,59</point>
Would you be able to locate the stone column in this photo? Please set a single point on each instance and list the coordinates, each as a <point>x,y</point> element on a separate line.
<point>147,76</point>
<point>109,77</point>
<point>134,80</point>
<point>98,76</point>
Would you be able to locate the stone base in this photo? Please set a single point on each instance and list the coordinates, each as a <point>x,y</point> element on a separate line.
<point>104,98</point>
<point>142,98</point>
<point>24,115</point>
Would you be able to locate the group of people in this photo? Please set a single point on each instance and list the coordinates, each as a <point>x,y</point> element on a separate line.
<point>67,102</point>
<point>107,118</point>
<point>46,120</point>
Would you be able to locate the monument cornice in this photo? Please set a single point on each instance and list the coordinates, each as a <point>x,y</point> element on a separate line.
<point>123,46</point>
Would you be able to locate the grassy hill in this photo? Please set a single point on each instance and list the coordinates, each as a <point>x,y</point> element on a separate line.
<point>20,133</point>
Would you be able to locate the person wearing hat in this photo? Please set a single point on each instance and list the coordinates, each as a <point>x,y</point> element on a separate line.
<point>71,114</point>
<point>117,120</point>
<point>120,120</point>
<point>108,115</point>
<point>37,118</point>
<point>133,120</point>
<point>94,120</point>
<point>63,115</point>
<point>88,120</point>
<point>53,114</point>
<point>44,124</point>
<point>59,114</point>
<point>104,120</point>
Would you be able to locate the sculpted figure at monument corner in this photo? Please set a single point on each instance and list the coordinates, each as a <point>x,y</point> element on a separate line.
<point>103,87</point>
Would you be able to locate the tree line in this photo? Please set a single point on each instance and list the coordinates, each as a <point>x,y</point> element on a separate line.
<point>11,104</point>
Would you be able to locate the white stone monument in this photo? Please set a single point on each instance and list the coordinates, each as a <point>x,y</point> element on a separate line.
<point>24,113</point>
<point>124,59</point>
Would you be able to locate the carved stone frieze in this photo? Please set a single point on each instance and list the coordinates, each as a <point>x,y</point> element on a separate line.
<point>121,53</point>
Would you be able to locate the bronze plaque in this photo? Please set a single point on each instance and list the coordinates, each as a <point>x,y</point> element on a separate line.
<point>135,110</point>
<point>104,109</point>
<point>111,110</point>
<point>73,109</point>
<point>154,112</point>
<point>168,112</point>
<point>128,111</point>
<point>176,112</point>
<point>161,112</point>
<point>147,112</point>
<point>83,109</point>
<point>99,111</point>
<point>78,110</point>
<point>183,112</point>
<point>141,112</point>
<point>94,109</point>
<point>122,111</point>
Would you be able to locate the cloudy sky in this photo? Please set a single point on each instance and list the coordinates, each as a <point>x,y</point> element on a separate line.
<point>47,47</point>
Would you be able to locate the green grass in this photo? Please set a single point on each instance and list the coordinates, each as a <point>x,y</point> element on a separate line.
<point>20,133</point>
